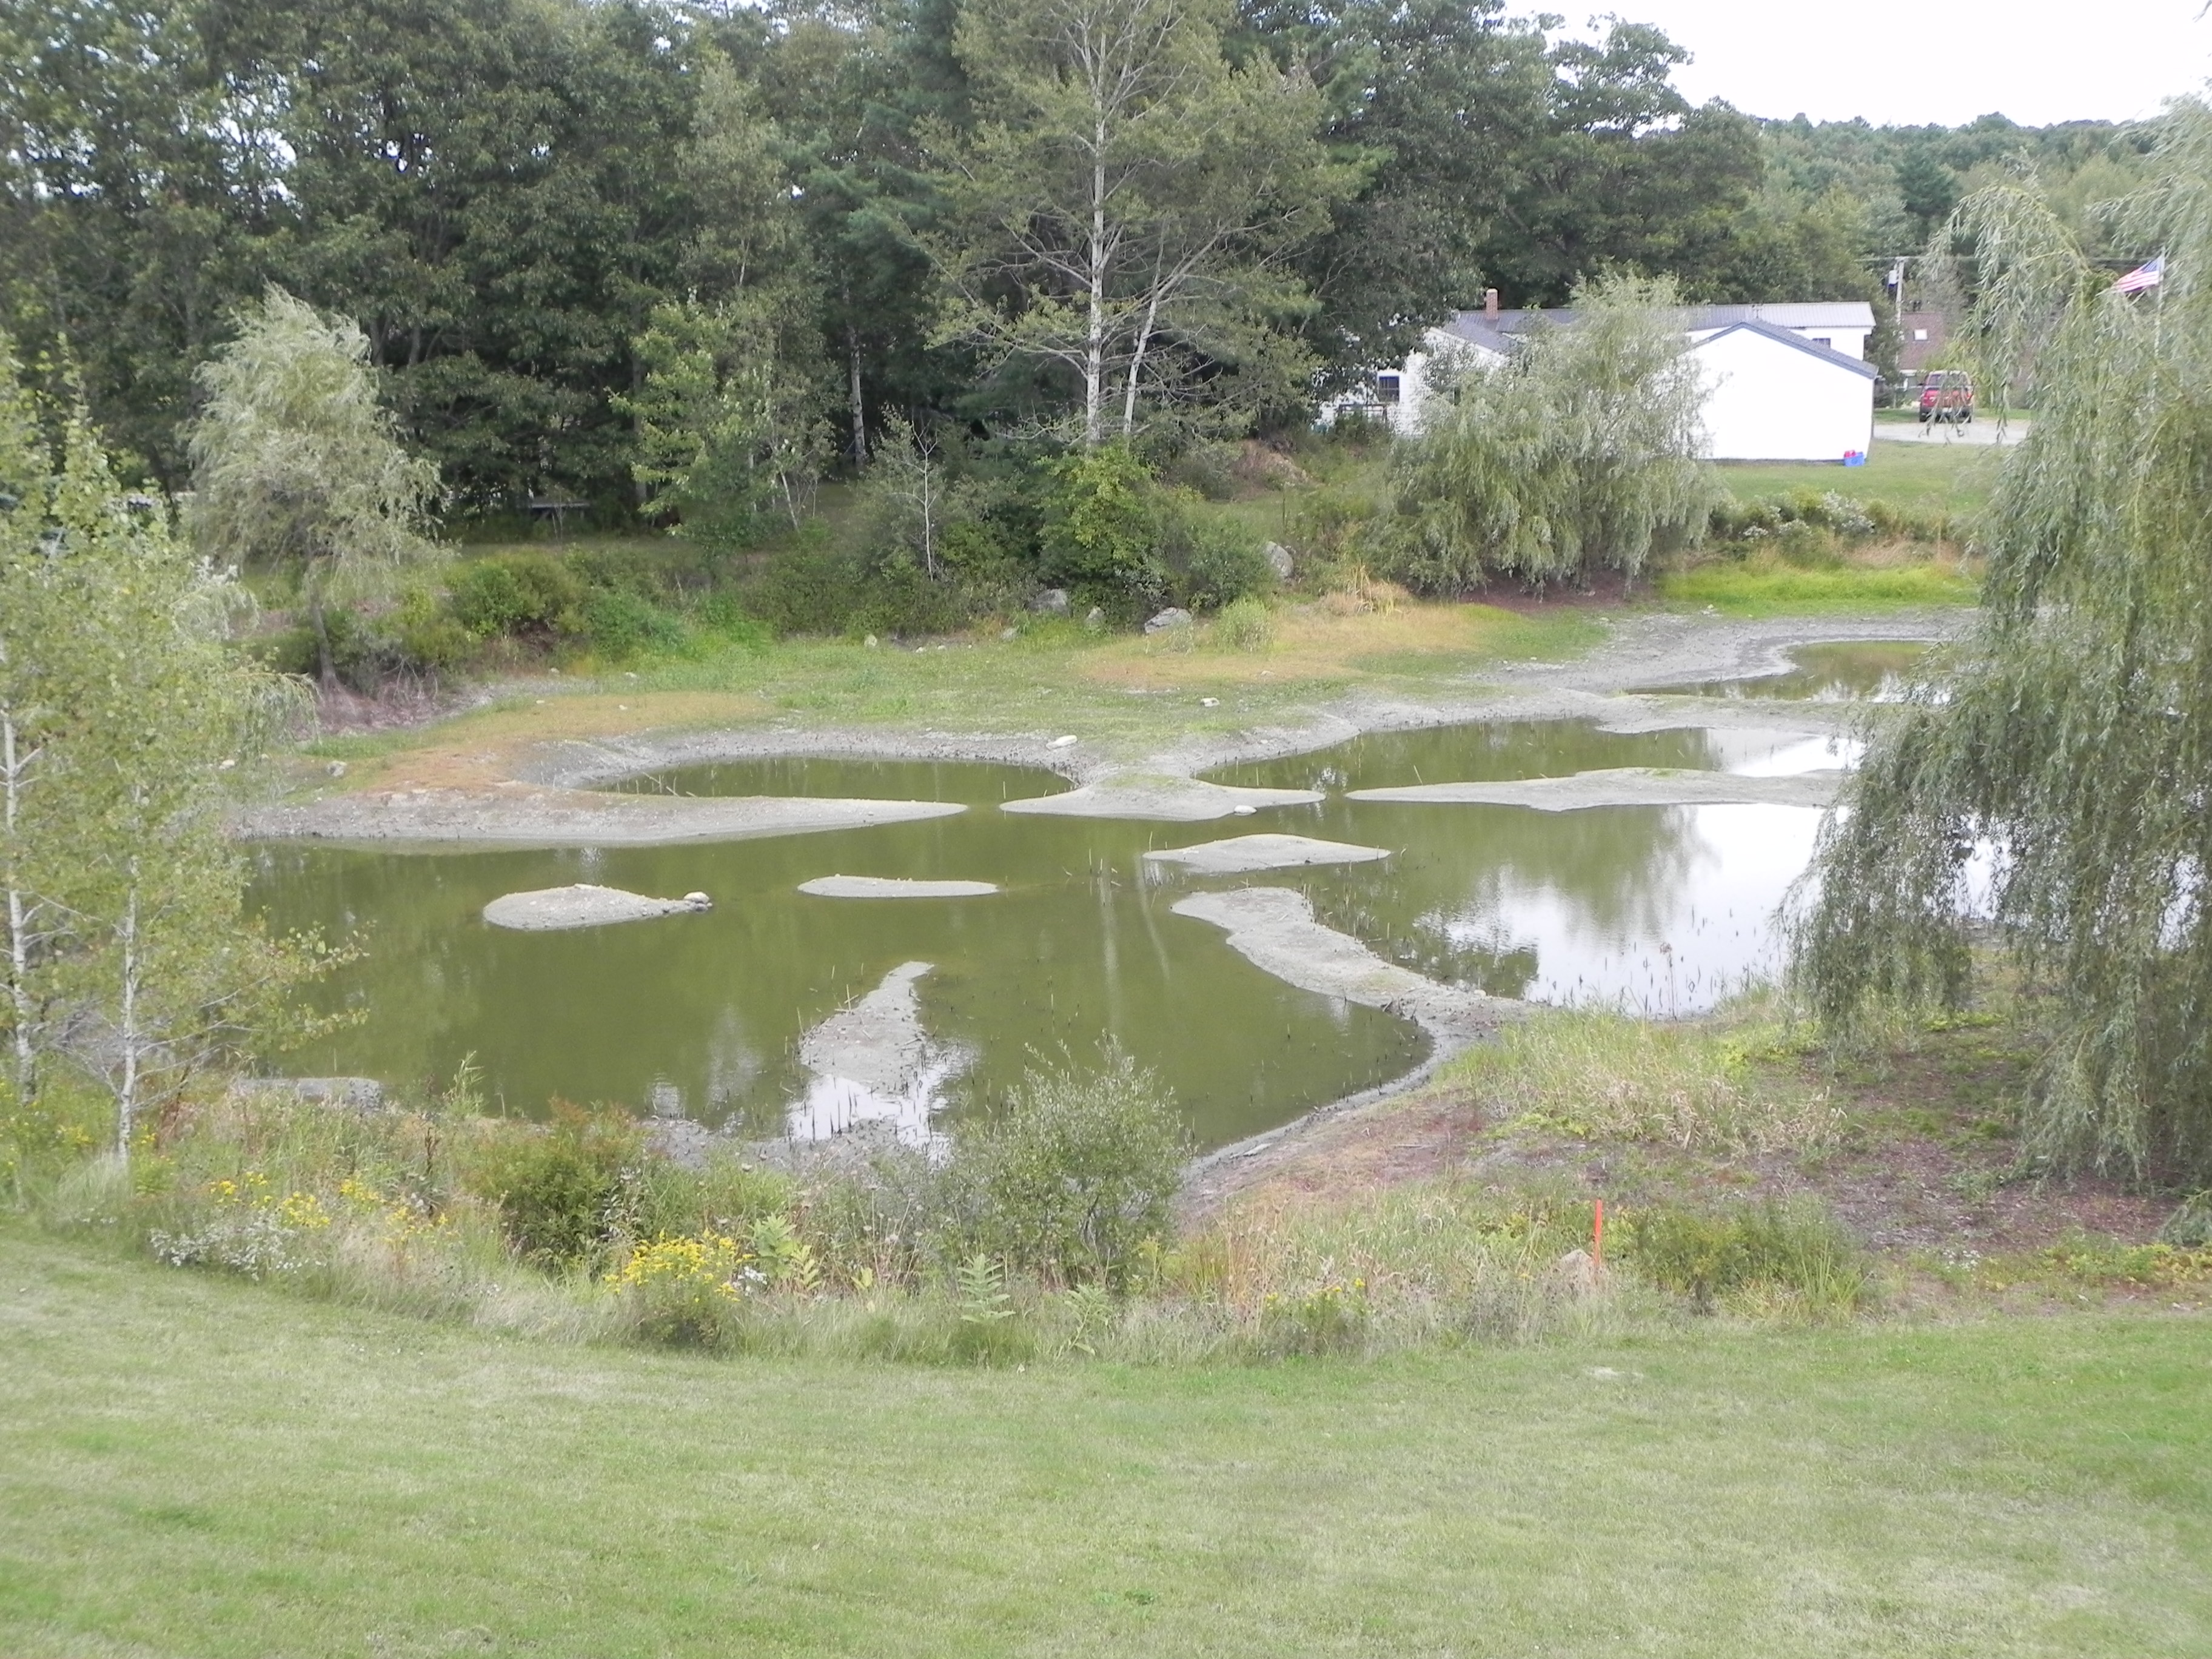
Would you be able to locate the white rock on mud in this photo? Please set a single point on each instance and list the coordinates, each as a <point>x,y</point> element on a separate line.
<point>893,887</point>
<point>547,909</point>
<point>1623,785</point>
<point>1274,930</point>
<point>1159,799</point>
<point>1242,854</point>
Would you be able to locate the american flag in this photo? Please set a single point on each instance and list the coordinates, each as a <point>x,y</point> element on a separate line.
<point>2142,276</point>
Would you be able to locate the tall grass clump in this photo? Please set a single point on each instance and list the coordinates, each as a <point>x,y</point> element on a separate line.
<point>1579,454</point>
<point>1599,1076</point>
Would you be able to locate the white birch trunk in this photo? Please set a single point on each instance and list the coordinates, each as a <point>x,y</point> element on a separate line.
<point>126,1093</point>
<point>13,770</point>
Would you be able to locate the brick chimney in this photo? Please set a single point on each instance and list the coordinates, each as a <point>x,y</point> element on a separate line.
<point>1489,303</point>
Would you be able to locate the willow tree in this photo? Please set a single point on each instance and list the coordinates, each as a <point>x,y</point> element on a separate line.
<point>2067,760</point>
<point>1579,453</point>
<point>296,463</point>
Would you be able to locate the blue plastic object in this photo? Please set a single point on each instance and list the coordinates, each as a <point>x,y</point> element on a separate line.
<point>1854,458</point>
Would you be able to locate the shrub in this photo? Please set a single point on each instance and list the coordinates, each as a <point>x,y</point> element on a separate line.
<point>1215,563</point>
<point>1705,1254</point>
<point>621,623</point>
<point>1101,531</point>
<point>1077,1171</point>
<point>511,595</point>
<point>1246,624</point>
<point>557,1189</point>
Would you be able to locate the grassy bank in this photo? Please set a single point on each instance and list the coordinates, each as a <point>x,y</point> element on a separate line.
<point>194,1466</point>
<point>1943,477</point>
<point>1055,675</point>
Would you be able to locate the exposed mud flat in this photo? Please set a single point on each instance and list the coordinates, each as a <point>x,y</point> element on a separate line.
<point>1245,854</point>
<point>1623,785</point>
<point>548,909</point>
<point>1274,930</point>
<point>894,887</point>
<point>513,815</point>
<point>1159,799</point>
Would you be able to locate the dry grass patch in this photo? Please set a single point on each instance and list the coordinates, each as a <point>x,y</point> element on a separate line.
<point>1332,640</point>
<point>482,749</point>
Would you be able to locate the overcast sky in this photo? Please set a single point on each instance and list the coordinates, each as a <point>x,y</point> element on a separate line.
<point>1946,61</point>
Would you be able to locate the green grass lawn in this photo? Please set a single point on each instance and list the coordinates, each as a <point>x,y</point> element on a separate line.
<point>1926,477</point>
<point>195,1466</point>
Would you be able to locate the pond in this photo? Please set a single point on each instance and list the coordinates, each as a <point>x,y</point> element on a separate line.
<point>726,1017</point>
<point>1869,671</point>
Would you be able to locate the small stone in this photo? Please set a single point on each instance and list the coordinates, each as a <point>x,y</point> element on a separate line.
<point>1173,618</point>
<point>1094,617</point>
<point>1067,741</point>
<point>1209,702</point>
<point>1010,632</point>
<point>1053,602</point>
<point>1580,1271</point>
<point>336,768</point>
<point>871,642</point>
<point>554,672</point>
<point>1279,560</point>
<point>629,674</point>
<point>698,901</point>
<point>1242,812</point>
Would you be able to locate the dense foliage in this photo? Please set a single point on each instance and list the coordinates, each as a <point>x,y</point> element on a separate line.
<point>2057,780</point>
<point>673,260</point>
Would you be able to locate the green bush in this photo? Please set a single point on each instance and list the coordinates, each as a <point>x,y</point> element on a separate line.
<point>621,624</point>
<point>1101,532</point>
<point>1215,563</point>
<point>516,595</point>
<point>1246,624</point>
<point>1706,1255</point>
<point>1076,1170</point>
<point>560,1189</point>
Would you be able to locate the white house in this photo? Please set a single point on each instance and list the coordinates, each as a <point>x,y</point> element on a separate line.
<point>1784,382</point>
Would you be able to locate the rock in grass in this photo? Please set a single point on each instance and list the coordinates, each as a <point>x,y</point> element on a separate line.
<point>546,909</point>
<point>1167,620</point>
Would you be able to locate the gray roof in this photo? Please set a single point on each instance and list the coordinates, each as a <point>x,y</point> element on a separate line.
<point>1796,343</point>
<point>1498,333</point>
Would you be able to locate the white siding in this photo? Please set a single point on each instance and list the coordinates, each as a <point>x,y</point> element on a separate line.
<point>1769,402</point>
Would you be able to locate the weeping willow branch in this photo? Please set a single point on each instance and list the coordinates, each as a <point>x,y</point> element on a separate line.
<point>2072,743</point>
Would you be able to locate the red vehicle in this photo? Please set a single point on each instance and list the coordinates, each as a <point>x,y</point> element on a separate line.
<point>1948,394</point>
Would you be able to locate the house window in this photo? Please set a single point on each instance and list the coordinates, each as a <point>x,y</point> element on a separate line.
<point>1831,344</point>
<point>1386,389</point>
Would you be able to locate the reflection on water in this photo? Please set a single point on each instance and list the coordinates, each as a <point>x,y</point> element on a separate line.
<point>778,1013</point>
<point>1862,670</point>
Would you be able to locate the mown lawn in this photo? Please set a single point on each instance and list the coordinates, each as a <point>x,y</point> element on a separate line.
<point>192,1466</point>
<point>1932,477</point>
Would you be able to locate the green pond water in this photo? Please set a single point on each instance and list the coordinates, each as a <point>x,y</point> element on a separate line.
<point>1661,909</point>
<point>1869,671</point>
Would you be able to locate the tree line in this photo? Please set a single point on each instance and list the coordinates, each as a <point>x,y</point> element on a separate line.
<point>678,260</point>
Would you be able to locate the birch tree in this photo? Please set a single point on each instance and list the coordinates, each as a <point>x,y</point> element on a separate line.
<point>123,716</point>
<point>1125,205</point>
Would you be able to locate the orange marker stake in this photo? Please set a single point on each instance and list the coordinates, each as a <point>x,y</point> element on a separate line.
<point>1597,1237</point>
